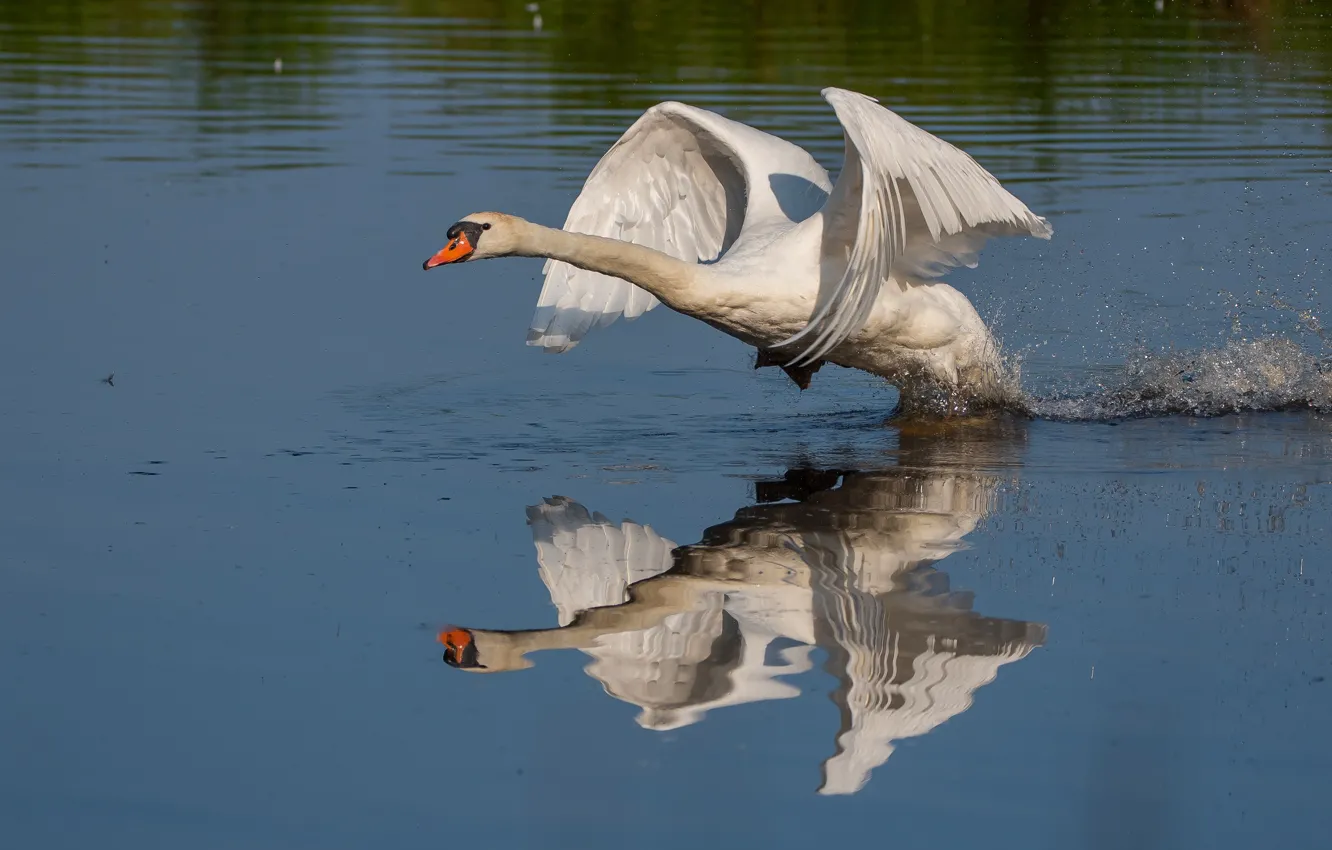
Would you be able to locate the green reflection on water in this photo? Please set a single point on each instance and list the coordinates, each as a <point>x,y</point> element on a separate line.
<point>1054,75</point>
<point>939,49</point>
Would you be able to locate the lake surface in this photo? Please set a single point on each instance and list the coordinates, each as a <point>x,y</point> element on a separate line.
<point>225,571</point>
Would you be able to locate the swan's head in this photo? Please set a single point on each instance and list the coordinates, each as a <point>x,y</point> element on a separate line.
<point>460,649</point>
<point>466,649</point>
<point>479,236</point>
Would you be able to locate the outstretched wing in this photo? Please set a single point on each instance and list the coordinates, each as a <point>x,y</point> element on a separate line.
<point>907,205</point>
<point>587,561</point>
<point>681,180</point>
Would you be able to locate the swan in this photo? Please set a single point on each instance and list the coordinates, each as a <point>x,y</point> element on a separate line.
<point>745,231</point>
<point>843,561</point>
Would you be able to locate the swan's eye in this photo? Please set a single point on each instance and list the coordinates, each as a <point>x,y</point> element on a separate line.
<point>485,226</point>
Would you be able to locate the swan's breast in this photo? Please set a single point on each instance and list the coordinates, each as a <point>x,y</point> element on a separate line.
<point>765,287</point>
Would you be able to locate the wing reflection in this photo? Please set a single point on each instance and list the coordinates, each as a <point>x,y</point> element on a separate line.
<point>841,560</point>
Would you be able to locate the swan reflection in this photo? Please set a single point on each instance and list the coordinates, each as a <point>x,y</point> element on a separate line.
<point>839,560</point>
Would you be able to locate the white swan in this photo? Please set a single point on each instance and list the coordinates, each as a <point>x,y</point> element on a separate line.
<point>745,231</point>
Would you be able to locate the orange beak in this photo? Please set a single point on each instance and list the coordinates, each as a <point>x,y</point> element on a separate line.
<point>455,252</point>
<point>460,649</point>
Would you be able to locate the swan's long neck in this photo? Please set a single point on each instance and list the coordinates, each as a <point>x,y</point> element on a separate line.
<point>670,280</point>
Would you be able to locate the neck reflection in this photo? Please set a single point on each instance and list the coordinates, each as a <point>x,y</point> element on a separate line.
<point>840,560</point>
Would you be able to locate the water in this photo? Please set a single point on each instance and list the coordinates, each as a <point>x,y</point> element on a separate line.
<point>224,571</point>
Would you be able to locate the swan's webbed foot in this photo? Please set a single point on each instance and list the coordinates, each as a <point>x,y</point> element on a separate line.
<point>802,375</point>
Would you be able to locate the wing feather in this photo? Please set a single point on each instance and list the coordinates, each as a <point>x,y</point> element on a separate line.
<point>917,205</point>
<point>671,183</point>
<point>586,560</point>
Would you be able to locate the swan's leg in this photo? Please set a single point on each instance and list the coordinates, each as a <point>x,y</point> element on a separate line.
<point>800,374</point>
<point>797,485</point>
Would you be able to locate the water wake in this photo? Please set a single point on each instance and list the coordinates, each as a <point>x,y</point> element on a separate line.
<point>1241,376</point>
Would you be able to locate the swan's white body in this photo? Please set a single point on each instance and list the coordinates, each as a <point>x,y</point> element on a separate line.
<point>748,233</point>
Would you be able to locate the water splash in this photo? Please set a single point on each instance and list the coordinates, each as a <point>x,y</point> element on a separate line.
<point>1270,374</point>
